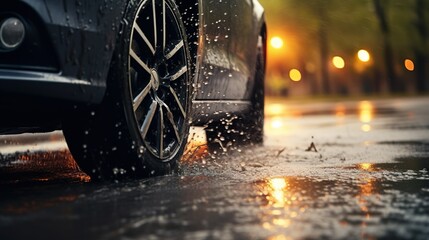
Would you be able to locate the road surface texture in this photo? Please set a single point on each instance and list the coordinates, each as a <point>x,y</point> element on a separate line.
<point>332,170</point>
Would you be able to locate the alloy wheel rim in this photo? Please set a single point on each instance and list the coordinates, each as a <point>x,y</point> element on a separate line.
<point>158,78</point>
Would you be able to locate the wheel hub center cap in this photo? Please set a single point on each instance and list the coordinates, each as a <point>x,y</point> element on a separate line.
<point>155,79</point>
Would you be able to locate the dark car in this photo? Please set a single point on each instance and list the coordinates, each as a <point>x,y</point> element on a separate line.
<point>125,79</point>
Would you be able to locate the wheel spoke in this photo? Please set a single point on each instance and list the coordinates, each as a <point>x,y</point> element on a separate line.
<point>174,50</point>
<point>178,102</point>
<point>161,132</point>
<point>145,39</point>
<point>139,99</point>
<point>179,73</point>
<point>148,120</point>
<point>139,61</point>
<point>171,119</point>
<point>164,28</point>
<point>154,23</point>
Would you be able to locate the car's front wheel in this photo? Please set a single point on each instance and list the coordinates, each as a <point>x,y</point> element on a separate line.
<point>141,127</point>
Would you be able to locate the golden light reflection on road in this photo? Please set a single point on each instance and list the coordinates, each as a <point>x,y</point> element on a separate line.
<point>275,109</point>
<point>366,191</point>
<point>277,198</point>
<point>366,115</point>
<point>197,148</point>
<point>340,113</point>
<point>282,204</point>
<point>279,237</point>
<point>42,167</point>
<point>366,166</point>
<point>277,118</point>
<point>281,110</point>
<point>276,126</point>
<point>366,128</point>
<point>366,111</point>
<point>276,123</point>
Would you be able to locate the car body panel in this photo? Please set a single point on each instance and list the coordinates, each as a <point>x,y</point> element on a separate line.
<point>229,32</point>
<point>80,37</point>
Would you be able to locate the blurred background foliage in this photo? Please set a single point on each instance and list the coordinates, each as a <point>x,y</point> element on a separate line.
<point>347,47</point>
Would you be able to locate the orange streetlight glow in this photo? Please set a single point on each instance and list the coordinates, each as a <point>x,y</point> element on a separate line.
<point>276,42</point>
<point>295,75</point>
<point>338,62</point>
<point>363,55</point>
<point>409,65</point>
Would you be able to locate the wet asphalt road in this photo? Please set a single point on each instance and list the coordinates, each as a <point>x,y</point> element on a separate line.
<point>339,170</point>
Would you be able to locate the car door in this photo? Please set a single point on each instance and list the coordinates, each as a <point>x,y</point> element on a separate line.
<point>229,49</point>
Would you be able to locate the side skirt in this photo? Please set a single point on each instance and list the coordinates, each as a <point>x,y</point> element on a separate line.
<point>204,111</point>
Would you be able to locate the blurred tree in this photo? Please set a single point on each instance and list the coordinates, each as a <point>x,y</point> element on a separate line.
<point>324,47</point>
<point>389,62</point>
<point>319,30</point>
<point>316,30</point>
<point>421,50</point>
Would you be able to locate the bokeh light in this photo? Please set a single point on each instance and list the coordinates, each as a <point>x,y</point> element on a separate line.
<point>338,62</point>
<point>295,75</point>
<point>409,65</point>
<point>363,55</point>
<point>277,42</point>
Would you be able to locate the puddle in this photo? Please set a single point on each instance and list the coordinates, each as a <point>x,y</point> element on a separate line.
<point>406,126</point>
<point>364,205</point>
<point>412,143</point>
<point>366,200</point>
<point>420,165</point>
<point>407,164</point>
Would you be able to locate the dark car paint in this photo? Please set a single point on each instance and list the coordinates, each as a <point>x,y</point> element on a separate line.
<point>83,35</point>
<point>226,67</point>
<point>229,36</point>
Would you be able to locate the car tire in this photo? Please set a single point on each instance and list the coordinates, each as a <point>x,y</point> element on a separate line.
<point>141,127</point>
<point>234,131</point>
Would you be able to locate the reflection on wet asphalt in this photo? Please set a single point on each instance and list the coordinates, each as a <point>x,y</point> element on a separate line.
<point>365,178</point>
